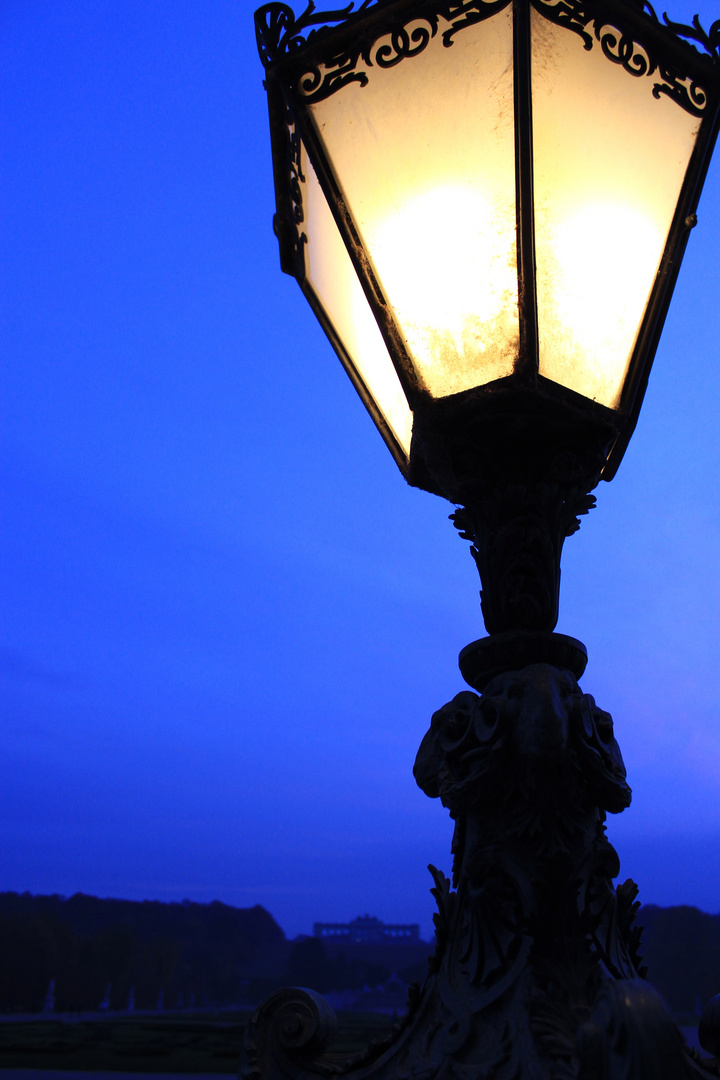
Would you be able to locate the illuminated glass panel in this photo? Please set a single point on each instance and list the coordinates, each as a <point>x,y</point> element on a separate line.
<point>609,162</point>
<point>424,154</point>
<point>331,275</point>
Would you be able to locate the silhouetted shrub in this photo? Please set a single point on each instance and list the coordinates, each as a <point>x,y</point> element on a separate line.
<point>681,947</point>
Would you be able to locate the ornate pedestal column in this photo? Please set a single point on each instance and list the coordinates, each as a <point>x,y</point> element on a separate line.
<point>537,973</point>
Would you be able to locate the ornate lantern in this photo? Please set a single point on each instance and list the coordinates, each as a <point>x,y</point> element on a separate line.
<point>486,204</point>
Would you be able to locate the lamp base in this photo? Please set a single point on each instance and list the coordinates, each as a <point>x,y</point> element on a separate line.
<point>483,660</point>
<point>536,974</point>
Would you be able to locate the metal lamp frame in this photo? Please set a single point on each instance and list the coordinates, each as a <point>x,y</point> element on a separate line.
<point>311,56</point>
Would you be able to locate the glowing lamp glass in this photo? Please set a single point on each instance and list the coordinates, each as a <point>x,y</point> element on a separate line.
<point>488,196</point>
<point>423,155</point>
<point>609,161</point>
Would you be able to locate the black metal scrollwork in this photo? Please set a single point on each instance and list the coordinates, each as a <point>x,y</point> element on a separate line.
<point>317,83</point>
<point>279,35</point>
<point>296,174</point>
<point>573,16</point>
<point>291,215</point>
<point>279,32</point>
<point>272,24</point>
<point>467,13</point>
<point>321,79</point>
<point>402,44</point>
<point>639,58</point>
<point>710,40</point>
<point>621,49</point>
<point>634,58</point>
<point>686,93</point>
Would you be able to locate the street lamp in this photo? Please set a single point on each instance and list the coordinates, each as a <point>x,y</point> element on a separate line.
<point>486,203</point>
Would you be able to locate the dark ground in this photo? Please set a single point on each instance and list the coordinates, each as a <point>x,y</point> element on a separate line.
<point>180,1044</point>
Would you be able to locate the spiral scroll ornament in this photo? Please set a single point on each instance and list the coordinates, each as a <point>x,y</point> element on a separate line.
<point>289,1027</point>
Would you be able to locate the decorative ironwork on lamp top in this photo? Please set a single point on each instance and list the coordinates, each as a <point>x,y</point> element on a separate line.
<point>486,203</point>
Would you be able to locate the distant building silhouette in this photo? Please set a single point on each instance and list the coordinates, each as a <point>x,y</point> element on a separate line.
<point>367,930</point>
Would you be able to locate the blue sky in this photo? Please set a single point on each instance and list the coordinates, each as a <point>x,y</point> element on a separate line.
<point>226,620</point>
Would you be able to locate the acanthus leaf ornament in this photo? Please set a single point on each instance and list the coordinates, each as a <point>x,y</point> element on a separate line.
<point>531,747</point>
<point>709,39</point>
<point>517,527</point>
<point>279,31</point>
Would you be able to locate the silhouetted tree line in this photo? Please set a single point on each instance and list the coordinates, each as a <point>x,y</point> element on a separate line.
<point>311,964</point>
<point>681,948</point>
<point>192,954</point>
<point>214,955</point>
<point>182,955</point>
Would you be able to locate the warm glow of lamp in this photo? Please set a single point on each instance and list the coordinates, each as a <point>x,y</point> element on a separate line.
<point>424,157</point>
<point>595,302</point>
<point>491,199</point>
<point>330,275</point>
<point>451,271</point>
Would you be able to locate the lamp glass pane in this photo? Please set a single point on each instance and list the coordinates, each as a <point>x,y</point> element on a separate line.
<point>424,157</point>
<point>609,162</point>
<point>331,275</point>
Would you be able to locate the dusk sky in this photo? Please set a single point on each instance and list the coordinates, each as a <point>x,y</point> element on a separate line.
<point>226,619</point>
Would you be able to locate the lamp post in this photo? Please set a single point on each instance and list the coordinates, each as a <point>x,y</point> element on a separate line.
<point>486,203</point>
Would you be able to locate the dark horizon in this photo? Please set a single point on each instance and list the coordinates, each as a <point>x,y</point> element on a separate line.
<point>186,902</point>
<point>87,954</point>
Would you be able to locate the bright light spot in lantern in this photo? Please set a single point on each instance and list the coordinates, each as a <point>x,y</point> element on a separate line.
<point>605,256</point>
<point>331,275</point>
<point>447,262</point>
